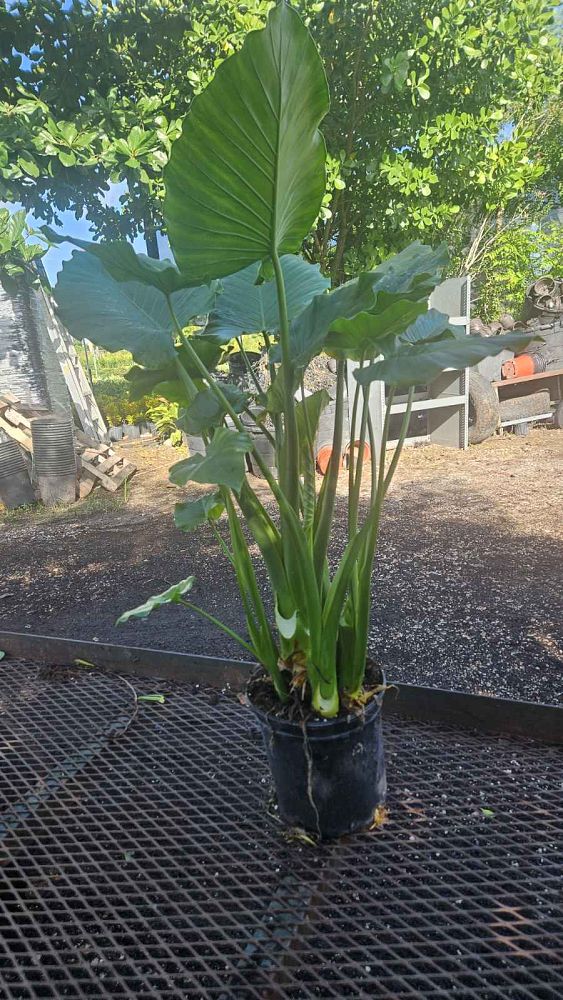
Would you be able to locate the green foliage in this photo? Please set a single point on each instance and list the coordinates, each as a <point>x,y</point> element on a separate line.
<point>258,198</point>
<point>321,615</point>
<point>421,122</point>
<point>412,274</point>
<point>222,465</point>
<point>16,253</point>
<point>112,390</point>
<point>174,595</point>
<point>193,513</point>
<point>206,411</point>
<point>125,314</point>
<point>429,346</point>
<point>516,258</point>
<point>422,119</point>
<point>164,415</point>
<point>246,306</point>
<point>99,97</point>
<point>117,408</point>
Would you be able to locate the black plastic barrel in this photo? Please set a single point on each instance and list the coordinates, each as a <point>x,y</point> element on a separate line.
<point>330,779</point>
<point>238,371</point>
<point>15,484</point>
<point>54,459</point>
<point>261,444</point>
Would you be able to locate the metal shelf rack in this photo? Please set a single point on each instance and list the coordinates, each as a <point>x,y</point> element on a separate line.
<point>445,399</point>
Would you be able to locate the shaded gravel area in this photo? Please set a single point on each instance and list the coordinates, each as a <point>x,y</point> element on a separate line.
<point>466,593</point>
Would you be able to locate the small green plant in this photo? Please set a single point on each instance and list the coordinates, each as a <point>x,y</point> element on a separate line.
<point>16,253</point>
<point>113,391</point>
<point>164,415</point>
<point>244,185</point>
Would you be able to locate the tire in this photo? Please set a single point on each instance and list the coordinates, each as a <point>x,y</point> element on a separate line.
<point>483,408</point>
<point>558,415</point>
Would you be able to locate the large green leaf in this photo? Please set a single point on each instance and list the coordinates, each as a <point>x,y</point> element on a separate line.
<point>207,411</point>
<point>420,362</point>
<point>143,381</point>
<point>164,381</point>
<point>222,465</point>
<point>413,273</point>
<point>247,176</point>
<point>362,336</point>
<point>124,315</point>
<point>124,264</point>
<point>431,325</point>
<point>246,307</point>
<point>173,595</point>
<point>192,513</point>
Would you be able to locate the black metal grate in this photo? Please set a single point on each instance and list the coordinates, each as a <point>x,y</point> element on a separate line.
<point>138,859</point>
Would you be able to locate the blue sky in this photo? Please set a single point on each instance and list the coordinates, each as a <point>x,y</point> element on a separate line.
<point>53,259</point>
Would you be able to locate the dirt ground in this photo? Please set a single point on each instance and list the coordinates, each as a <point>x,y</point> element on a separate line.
<point>466,592</point>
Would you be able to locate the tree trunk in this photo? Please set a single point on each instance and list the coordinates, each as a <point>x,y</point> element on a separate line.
<point>151,241</point>
<point>337,271</point>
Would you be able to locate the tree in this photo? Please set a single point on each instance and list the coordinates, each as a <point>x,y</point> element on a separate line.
<point>435,107</point>
<point>94,94</point>
<point>517,256</point>
<point>439,108</point>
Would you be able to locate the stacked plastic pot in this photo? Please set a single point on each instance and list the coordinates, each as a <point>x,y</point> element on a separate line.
<point>15,485</point>
<point>54,459</point>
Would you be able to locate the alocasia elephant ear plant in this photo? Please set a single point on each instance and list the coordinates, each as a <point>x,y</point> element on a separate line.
<point>243,188</point>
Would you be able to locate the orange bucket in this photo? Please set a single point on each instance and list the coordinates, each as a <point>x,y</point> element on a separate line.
<point>367,453</point>
<point>524,364</point>
<point>323,458</point>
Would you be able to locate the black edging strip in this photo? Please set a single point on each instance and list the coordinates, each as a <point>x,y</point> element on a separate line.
<point>471,711</point>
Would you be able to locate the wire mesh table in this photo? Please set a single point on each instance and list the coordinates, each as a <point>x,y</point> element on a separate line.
<point>138,858</point>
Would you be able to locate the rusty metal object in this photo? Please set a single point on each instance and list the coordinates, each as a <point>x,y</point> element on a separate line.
<point>544,297</point>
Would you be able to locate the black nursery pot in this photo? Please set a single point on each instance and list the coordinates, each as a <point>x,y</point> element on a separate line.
<point>330,780</point>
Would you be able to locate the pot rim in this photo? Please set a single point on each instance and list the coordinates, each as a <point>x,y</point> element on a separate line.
<point>318,728</point>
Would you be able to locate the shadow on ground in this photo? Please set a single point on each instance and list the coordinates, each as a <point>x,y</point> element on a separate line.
<point>460,600</point>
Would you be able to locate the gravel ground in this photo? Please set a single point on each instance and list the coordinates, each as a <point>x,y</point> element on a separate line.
<point>466,592</point>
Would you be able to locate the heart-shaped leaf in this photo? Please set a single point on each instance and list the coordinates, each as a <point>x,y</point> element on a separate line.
<point>362,336</point>
<point>173,595</point>
<point>190,515</point>
<point>143,381</point>
<point>413,273</point>
<point>247,176</point>
<point>207,411</point>
<point>419,363</point>
<point>124,315</point>
<point>164,381</point>
<point>222,464</point>
<point>245,307</point>
<point>124,264</point>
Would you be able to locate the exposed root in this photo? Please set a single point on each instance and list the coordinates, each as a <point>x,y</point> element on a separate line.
<point>309,760</point>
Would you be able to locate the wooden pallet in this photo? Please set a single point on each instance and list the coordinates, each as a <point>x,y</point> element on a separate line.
<point>13,422</point>
<point>97,463</point>
<point>100,463</point>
